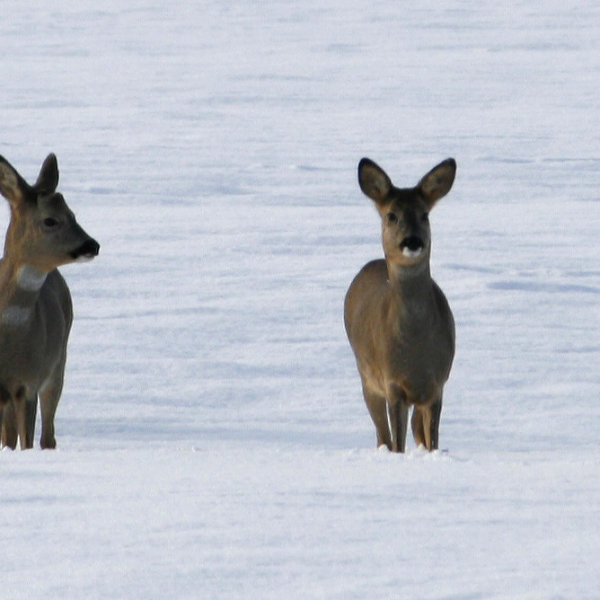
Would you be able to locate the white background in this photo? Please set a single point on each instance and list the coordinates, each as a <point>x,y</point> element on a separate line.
<point>212,437</point>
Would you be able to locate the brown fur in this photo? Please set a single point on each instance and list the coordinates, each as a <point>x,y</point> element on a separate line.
<point>397,319</point>
<point>35,303</point>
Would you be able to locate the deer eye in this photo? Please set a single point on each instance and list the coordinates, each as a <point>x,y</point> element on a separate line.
<point>50,222</point>
<point>391,218</point>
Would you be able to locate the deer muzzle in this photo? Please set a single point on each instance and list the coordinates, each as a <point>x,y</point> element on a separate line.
<point>86,251</point>
<point>412,246</point>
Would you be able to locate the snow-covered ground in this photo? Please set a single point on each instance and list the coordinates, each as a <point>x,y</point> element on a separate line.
<point>212,437</point>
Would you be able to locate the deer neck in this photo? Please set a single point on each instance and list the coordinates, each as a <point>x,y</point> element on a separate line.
<point>20,286</point>
<point>410,287</point>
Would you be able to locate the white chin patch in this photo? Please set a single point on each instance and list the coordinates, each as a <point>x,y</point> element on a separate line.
<point>412,253</point>
<point>84,258</point>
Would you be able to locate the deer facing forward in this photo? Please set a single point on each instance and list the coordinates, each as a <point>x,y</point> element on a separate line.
<point>35,303</point>
<point>397,319</point>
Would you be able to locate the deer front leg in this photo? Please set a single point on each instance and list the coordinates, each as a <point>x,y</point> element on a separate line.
<point>378,411</point>
<point>49,398</point>
<point>434,425</point>
<point>397,409</point>
<point>48,403</point>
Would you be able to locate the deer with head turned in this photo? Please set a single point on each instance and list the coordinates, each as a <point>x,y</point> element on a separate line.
<point>397,319</point>
<point>35,303</point>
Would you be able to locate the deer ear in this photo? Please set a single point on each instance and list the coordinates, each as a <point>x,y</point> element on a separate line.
<point>48,178</point>
<point>437,183</point>
<point>373,181</point>
<point>10,182</point>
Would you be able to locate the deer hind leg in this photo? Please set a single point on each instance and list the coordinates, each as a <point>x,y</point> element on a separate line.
<point>30,415</point>
<point>17,418</point>
<point>425,424</point>
<point>10,434</point>
<point>5,401</point>
<point>20,408</point>
<point>397,413</point>
<point>378,411</point>
<point>417,424</point>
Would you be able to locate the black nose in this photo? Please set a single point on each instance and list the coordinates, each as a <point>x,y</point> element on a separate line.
<point>88,249</point>
<point>412,242</point>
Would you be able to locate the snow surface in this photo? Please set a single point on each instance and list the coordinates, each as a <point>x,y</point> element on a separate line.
<point>212,437</point>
